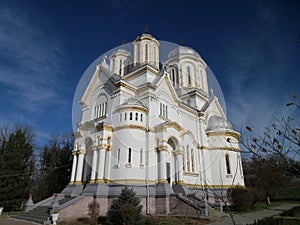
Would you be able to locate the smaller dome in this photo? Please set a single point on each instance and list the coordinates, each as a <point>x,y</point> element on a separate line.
<point>183,50</point>
<point>216,123</point>
<point>121,51</point>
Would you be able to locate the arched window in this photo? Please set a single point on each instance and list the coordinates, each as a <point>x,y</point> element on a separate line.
<point>173,75</point>
<point>141,156</point>
<point>118,155</point>
<point>130,116</point>
<point>120,116</point>
<point>125,117</point>
<point>189,75</point>
<point>193,160</point>
<point>136,116</point>
<point>113,64</point>
<point>121,66</point>
<point>141,117</point>
<point>146,52</point>
<point>227,164</point>
<point>129,155</point>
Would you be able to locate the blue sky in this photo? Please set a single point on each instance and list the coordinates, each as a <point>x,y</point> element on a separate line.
<point>46,46</point>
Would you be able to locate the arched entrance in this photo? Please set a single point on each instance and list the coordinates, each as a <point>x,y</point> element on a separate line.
<point>171,163</point>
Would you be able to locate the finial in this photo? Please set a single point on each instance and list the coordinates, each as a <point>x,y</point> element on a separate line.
<point>122,44</point>
<point>146,31</point>
<point>181,41</point>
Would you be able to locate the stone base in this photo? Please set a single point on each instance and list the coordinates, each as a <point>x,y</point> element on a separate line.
<point>72,190</point>
<point>163,189</point>
<point>97,190</point>
<point>181,188</point>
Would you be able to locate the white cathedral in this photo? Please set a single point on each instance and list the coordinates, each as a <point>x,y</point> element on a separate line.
<point>153,127</point>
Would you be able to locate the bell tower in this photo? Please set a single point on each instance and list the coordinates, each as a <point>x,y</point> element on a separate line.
<point>146,50</point>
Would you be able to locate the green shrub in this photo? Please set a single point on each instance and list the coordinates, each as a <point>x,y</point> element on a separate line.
<point>126,209</point>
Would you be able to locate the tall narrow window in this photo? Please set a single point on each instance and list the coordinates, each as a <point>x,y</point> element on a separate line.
<point>227,164</point>
<point>166,115</point>
<point>188,158</point>
<point>121,66</point>
<point>189,75</point>
<point>160,109</point>
<point>118,156</point>
<point>136,116</point>
<point>193,160</point>
<point>120,116</point>
<point>141,117</point>
<point>129,155</point>
<point>146,52</point>
<point>100,110</point>
<point>141,156</point>
<point>183,161</point>
<point>125,117</point>
<point>130,116</point>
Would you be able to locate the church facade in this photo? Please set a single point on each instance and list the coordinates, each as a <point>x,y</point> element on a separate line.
<point>153,127</point>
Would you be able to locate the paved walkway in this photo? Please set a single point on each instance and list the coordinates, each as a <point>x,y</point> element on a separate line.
<point>240,219</point>
<point>4,220</point>
<point>248,218</point>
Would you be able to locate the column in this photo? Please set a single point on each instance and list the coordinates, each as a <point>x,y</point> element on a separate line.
<point>101,164</point>
<point>107,165</point>
<point>94,166</point>
<point>180,168</point>
<point>73,168</point>
<point>79,168</point>
<point>163,167</point>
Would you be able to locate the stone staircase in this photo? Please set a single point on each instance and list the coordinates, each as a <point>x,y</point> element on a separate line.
<point>38,215</point>
<point>41,212</point>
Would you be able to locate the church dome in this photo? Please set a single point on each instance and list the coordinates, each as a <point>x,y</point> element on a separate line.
<point>183,50</point>
<point>216,123</point>
<point>121,51</point>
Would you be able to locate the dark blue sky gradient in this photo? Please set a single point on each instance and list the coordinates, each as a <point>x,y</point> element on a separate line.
<point>45,47</point>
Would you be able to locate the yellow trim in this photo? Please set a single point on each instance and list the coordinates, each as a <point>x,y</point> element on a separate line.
<point>131,126</point>
<point>92,181</point>
<point>71,183</point>
<point>164,181</point>
<point>213,186</point>
<point>132,108</point>
<point>102,126</point>
<point>81,151</point>
<point>162,148</point>
<point>78,182</point>
<point>227,133</point>
<point>221,148</point>
<point>180,182</point>
<point>133,181</point>
<point>99,181</point>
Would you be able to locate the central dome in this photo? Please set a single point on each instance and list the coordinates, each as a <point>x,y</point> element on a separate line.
<point>183,50</point>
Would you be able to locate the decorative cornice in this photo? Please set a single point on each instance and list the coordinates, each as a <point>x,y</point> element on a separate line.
<point>221,148</point>
<point>131,126</point>
<point>222,133</point>
<point>162,148</point>
<point>133,108</point>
